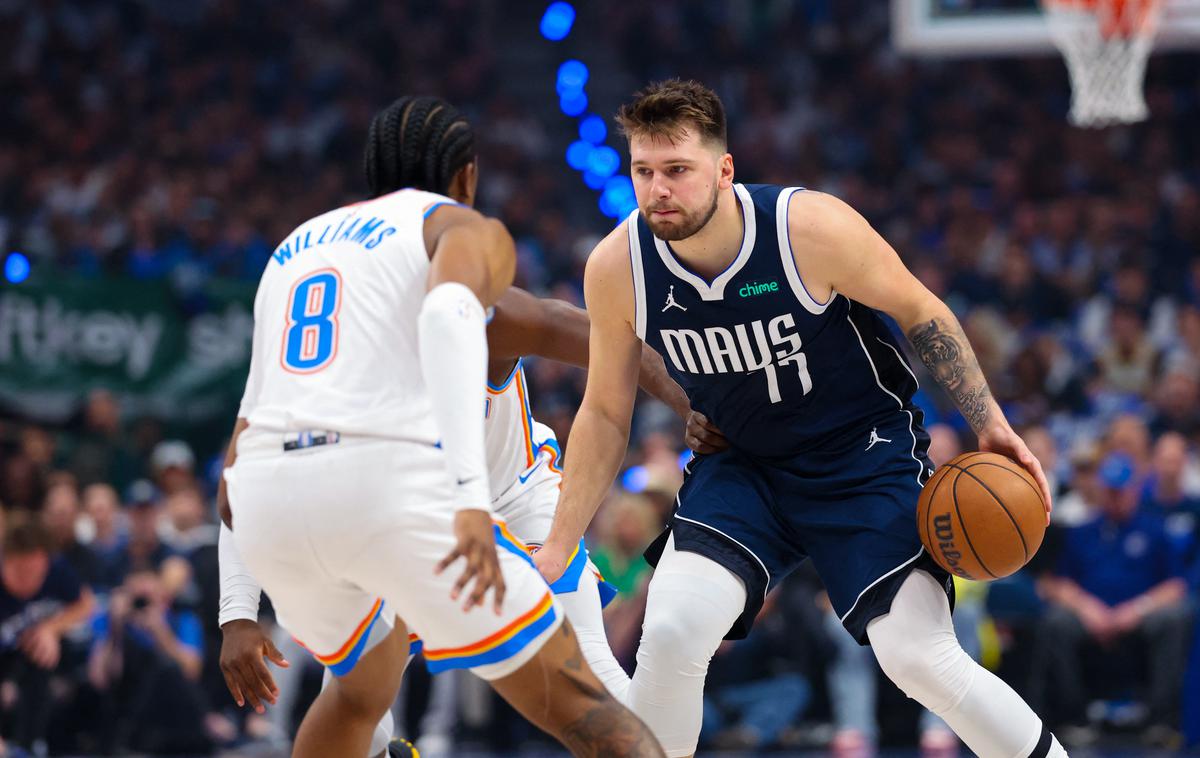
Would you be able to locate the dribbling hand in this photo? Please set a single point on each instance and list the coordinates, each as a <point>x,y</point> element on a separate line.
<point>477,544</point>
<point>244,645</point>
<point>1005,441</point>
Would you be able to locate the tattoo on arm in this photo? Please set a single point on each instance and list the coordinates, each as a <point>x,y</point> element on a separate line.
<point>946,353</point>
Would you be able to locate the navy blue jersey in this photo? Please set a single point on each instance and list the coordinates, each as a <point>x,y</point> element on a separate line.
<point>779,373</point>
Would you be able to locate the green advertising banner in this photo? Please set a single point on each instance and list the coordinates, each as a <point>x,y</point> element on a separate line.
<point>183,360</point>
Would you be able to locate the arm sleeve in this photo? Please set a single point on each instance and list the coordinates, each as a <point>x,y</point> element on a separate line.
<point>453,344</point>
<point>240,593</point>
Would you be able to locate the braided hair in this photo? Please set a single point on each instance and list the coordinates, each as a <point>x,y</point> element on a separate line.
<point>419,141</point>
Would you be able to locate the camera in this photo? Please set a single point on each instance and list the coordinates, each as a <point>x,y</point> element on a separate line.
<point>140,602</point>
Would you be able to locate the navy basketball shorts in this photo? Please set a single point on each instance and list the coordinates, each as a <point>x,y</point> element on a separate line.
<point>850,507</point>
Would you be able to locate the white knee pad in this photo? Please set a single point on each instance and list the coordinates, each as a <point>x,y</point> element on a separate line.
<point>692,603</point>
<point>916,646</point>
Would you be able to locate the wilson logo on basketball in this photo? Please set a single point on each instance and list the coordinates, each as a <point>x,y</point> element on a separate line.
<point>943,530</point>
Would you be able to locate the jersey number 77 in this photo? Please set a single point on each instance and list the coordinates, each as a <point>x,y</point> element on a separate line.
<point>310,340</point>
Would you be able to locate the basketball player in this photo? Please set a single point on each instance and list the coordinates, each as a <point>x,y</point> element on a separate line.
<point>525,477</point>
<point>763,302</point>
<point>358,469</point>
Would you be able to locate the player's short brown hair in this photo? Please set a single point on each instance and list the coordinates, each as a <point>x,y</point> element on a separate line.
<point>669,108</point>
<point>25,535</point>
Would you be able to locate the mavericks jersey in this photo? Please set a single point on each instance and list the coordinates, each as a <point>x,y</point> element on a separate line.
<point>779,373</point>
<point>516,444</point>
<point>335,324</point>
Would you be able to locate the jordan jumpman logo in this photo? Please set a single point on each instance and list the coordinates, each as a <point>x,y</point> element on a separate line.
<point>671,303</point>
<point>874,438</point>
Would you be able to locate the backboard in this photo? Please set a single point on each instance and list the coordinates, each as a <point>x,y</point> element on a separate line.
<point>972,28</point>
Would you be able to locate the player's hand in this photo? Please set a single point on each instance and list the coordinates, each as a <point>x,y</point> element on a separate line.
<point>1004,440</point>
<point>551,561</point>
<point>702,437</point>
<point>477,544</point>
<point>244,645</point>
<point>42,645</point>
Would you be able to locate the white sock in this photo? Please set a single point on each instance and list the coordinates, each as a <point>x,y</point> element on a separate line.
<point>583,611</point>
<point>917,649</point>
<point>692,603</point>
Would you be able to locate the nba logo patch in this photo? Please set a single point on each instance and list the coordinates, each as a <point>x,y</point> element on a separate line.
<point>487,407</point>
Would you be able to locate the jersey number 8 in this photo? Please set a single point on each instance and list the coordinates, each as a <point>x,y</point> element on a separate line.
<point>311,338</point>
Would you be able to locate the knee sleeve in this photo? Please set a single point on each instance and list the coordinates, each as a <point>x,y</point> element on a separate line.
<point>692,603</point>
<point>916,647</point>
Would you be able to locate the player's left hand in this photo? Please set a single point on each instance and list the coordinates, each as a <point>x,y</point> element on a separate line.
<point>1003,440</point>
<point>702,437</point>
<point>477,544</point>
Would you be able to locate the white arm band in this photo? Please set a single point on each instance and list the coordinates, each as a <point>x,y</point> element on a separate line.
<point>239,592</point>
<point>453,344</point>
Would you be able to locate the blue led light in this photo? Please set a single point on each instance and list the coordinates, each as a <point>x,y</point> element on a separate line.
<point>593,129</point>
<point>608,205</point>
<point>577,154</point>
<point>593,180</point>
<point>635,479</point>
<point>557,21</point>
<point>573,104</point>
<point>16,268</point>
<point>604,162</point>
<point>572,75</point>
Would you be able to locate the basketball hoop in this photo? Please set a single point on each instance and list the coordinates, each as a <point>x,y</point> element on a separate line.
<point>1106,44</point>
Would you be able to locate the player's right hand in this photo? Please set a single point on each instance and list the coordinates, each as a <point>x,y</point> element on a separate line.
<point>702,437</point>
<point>244,645</point>
<point>477,544</point>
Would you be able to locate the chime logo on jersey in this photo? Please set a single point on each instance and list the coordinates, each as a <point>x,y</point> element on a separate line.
<point>746,348</point>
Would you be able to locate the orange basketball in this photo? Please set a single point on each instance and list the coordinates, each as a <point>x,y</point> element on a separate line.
<point>981,516</point>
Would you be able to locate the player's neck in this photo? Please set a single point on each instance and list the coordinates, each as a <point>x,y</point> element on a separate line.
<point>709,251</point>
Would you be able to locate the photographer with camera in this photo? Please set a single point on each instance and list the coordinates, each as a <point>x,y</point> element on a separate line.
<point>147,660</point>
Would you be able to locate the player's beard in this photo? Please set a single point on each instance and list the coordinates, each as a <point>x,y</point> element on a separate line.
<point>685,225</point>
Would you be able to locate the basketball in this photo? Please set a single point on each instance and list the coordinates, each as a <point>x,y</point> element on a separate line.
<point>981,516</point>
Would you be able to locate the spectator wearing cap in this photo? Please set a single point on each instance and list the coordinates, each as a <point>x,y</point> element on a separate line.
<point>1117,588</point>
<point>145,548</point>
<point>174,466</point>
<point>41,599</point>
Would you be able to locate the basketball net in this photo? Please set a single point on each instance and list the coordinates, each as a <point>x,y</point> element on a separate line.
<point>1106,44</point>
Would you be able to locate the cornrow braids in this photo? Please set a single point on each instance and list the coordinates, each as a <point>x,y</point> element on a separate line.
<point>419,141</point>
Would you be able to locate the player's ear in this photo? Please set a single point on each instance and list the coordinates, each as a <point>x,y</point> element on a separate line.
<point>725,171</point>
<point>464,183</point>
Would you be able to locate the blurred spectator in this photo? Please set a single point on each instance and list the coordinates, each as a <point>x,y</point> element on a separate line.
<point>1118,586</point>
<point>628,524</point>
<point>147,661</point>
<point>756,687</point>
<point>174,466</point>
<point>1129,362</point>
<point>1166,496</point>
<point>41,599</point>
<point>1177,401</point>
<point>108,542</point>
<point>101,452</point>
<point>186,526</point>
<point>60,512</point>
<point>944,444</point>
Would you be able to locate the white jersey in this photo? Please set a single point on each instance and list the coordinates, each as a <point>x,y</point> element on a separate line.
<point>335,324</point>
<point>516,444</point>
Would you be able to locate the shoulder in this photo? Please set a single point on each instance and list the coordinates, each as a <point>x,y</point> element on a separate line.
<point>818,218</point>
<point>610,257</point>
